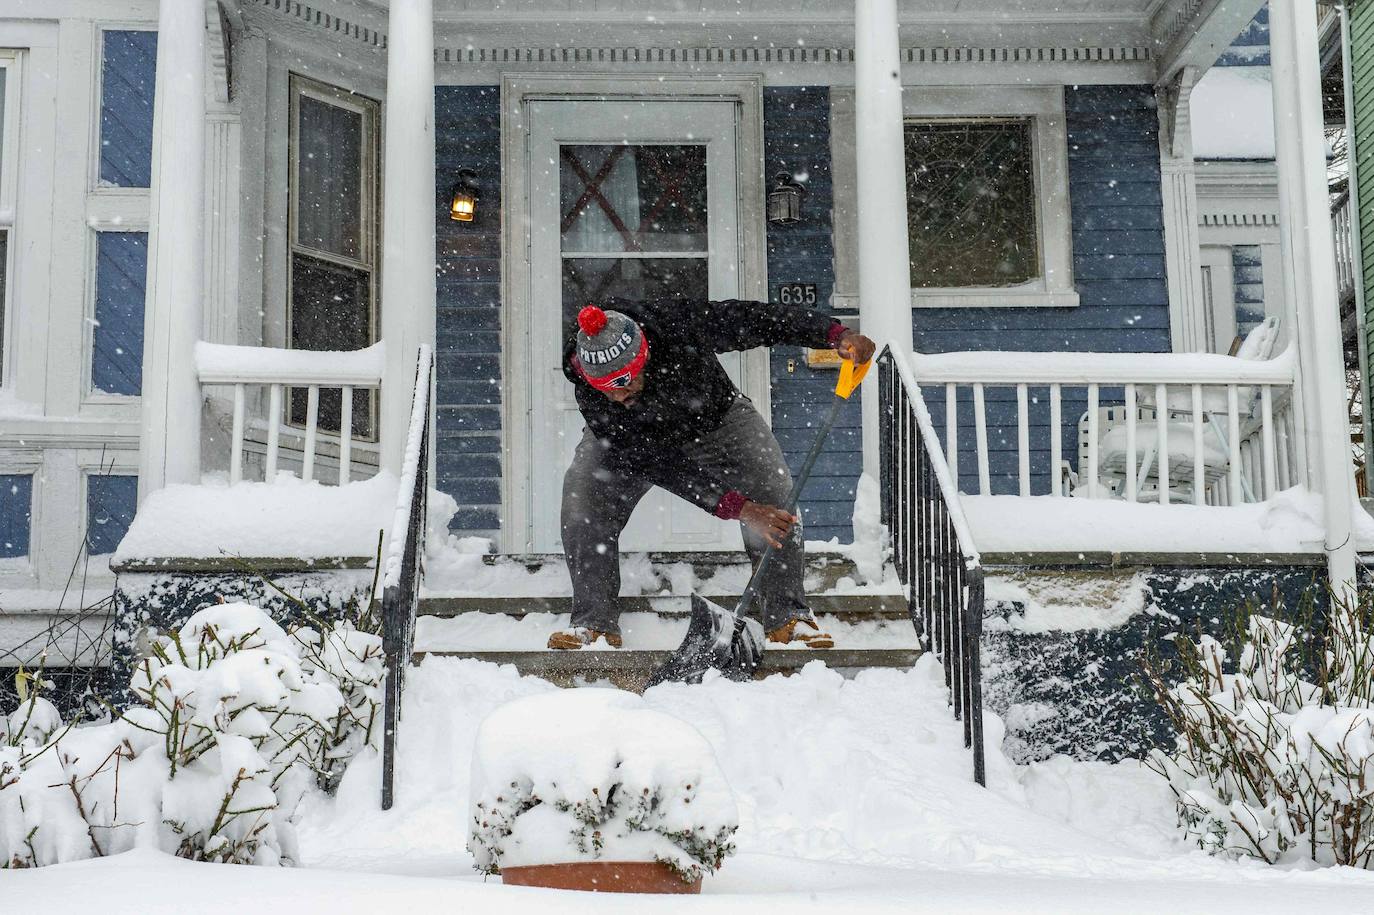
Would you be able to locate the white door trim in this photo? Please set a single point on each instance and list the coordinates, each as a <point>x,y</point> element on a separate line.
<point>517,515</point>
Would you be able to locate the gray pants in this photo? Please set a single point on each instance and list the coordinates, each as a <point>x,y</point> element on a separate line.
<point>598,500</point>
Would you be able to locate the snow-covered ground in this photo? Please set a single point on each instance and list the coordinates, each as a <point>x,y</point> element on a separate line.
<point>854,795</point>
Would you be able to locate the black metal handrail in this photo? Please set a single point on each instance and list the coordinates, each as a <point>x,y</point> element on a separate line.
<point>931,546</point>
<point>400,578</point>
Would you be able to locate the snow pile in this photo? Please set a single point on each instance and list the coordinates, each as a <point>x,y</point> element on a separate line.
<point>287,518</point>
<point>1066,601</point>
<point>870,548</point>
<point>621,782</point>
<point>238,719</point>
<point>1267,764</point>
<point>1289,522</point>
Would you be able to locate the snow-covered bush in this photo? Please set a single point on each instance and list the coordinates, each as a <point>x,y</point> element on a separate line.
<point>595,774</point>
<point>1268,764</point>
<point>236,720</point>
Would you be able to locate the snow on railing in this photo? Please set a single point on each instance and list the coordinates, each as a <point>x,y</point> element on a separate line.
<point>1221,427</point>
<point>401,572</point>
<point>279,369</point>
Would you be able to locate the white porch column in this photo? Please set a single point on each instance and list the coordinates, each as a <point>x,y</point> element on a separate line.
<point>171,404</point>
<point>408,217</point>
<point>1182,241</point>
<point>884,267</point>
<point>1305,228</point>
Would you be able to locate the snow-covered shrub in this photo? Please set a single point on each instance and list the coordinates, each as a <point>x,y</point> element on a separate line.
<point>1268,764</point>
<point>236,720</point>
<point>595,774</point>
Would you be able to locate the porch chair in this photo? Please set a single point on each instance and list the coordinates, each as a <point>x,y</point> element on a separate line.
<point>1258,344</point>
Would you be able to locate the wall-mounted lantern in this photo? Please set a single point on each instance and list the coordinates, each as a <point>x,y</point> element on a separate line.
<point>464,197</point>
<point>785,200</point>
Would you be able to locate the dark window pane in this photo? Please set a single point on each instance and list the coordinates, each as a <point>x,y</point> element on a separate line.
<point>330,310</point>
<point>594,279</point>
<point>110,504</point>
<point>329,178</point>
<point>128,66</point>
<point>633,198</point>
<point>120,280</point>
<point>971,204</point>
<point>16,510</point>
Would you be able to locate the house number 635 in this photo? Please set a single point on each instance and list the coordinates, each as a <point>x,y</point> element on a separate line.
<point>797,294</point>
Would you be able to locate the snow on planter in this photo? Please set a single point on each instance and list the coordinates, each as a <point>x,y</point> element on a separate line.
<point>596,775</point>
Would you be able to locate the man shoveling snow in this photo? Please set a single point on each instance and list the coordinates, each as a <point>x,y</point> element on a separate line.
<point>661,411</point>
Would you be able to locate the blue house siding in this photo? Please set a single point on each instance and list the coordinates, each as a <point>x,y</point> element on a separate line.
<point>468,365</point>
<point>796,140</point>
<point>1119,272</point>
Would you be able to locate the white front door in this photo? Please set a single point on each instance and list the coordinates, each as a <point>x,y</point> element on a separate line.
<point>635,200</point>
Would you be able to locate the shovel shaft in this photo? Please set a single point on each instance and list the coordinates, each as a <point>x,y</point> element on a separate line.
<point>746,600</point>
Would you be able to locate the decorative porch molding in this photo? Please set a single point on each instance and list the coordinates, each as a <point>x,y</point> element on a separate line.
<point>219,50</point>
<point>1178,177</point>
<point>625,54</point>
<point>1194,33</point>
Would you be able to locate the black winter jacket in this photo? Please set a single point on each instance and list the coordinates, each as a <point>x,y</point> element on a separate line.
<point>686,390</point>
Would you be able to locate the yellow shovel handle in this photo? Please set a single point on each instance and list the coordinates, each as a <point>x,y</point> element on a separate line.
<point>850,376</point>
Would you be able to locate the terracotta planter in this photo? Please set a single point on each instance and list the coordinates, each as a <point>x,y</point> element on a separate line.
<point>601,877</point>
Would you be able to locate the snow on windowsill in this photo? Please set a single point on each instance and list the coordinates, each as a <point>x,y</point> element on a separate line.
<point>288,518</point>
<point>1291,522</point>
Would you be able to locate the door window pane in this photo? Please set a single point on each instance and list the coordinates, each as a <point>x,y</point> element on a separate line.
<point>329,178</point>
<point>120,281</point>
<point>594,279</point>
<point>971,208</point>
<point>110,503</point>
<point>127,75</point>
<point>633,198</point>
<point>16,511</point>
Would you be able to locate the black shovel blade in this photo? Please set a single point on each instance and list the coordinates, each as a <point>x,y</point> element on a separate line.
<point>716,639</point>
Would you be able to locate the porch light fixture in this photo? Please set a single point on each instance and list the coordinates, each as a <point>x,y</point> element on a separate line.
<point>464,196</point>
<point>785,200</point>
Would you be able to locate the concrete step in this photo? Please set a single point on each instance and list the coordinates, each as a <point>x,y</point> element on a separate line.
<point>630,669</point>
<point>851,607</point>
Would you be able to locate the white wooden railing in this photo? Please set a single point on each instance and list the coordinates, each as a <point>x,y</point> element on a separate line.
<point>1344,238</point>
<point>278,369</point>
<point>1241,408</point>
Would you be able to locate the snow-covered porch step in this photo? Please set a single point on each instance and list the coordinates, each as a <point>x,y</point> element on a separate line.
<point>849,607</point>
<point>630,668</point>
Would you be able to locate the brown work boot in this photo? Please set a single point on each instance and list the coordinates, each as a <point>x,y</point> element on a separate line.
<point>581,637</point>
<point>803,629</point>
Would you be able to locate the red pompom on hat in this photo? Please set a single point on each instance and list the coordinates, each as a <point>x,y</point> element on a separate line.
<point>611,348</point>
<point>591,319</point>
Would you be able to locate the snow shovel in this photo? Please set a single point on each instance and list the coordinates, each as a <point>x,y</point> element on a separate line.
<point>733,642</point>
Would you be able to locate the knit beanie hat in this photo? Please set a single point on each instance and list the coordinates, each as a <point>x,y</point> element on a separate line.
<point>611,348</point>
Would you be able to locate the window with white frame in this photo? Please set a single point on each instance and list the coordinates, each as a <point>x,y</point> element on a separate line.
<point>332,262</point>
<point>9,161</point>
<point>987,197</point>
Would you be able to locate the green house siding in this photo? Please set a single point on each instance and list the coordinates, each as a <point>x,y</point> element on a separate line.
<point>1362,126</point>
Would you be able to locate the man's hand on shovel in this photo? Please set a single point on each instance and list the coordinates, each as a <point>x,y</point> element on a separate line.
<point>772,524</point>
<point>855,347</point>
